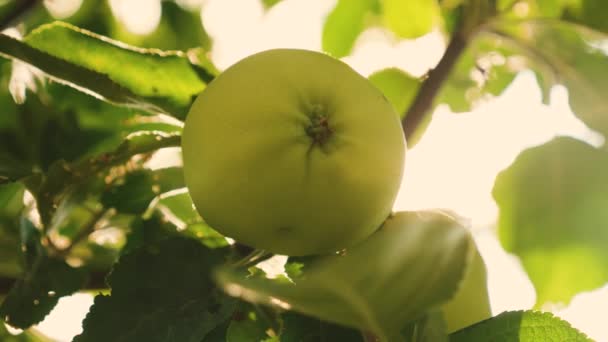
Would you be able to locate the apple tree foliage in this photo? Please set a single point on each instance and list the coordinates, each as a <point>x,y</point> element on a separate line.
<point>85,106</point>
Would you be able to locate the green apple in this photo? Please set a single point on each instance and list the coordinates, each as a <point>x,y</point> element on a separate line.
<point>471,303</point>
<point>294,152</point>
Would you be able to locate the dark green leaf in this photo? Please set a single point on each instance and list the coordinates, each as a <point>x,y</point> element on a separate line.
<point>26,336</point>
<point>160,292</point>
<point>553,215</point>
<point>247,325</point>
<point>134,193</point>
<point>430,328</point>
<point>63,177</point>
<point>591,13</point>
<point>415,261</point>
<point>302,328</point>
<point>520,326</point>
<point>344,24</point>
<point>46,279</point>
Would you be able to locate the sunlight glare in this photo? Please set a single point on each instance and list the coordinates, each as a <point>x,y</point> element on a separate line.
<point>56,326</point>
<point>138,16</point>
<point>61,9</point>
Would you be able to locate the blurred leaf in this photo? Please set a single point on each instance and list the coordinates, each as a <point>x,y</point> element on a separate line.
<point>11,200</point>
<point>178,29</point>
<point>11,205</point>
<point>415,261</point>
<point>411,19</point>
<point>246,325</point>
<point>472,296</point>
<point>485,69</point>
<point>176,208</point>
<point>521,326</point>
<point>591,13</point>
<point>160,293</point>
<point>136,190</point>
<point>45,281</point>
<point>553,215</point>
<point>63,177</point>
<point>151,80</point>
<point>269,3</point>
<point>572,56</point>
<point>301,328</point>
<point>400,89</point>
<point>430,328</point>
<point>344,24</point>
<point>526,9</point>
<point>26,336</point>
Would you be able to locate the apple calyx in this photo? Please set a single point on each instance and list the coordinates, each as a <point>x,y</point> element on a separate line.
<point>319,129</point>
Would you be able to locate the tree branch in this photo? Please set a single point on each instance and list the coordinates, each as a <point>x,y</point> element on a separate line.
<point>430,87</point>
<point>21,8</point>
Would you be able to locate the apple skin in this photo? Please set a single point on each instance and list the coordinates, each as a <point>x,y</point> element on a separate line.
<point>471,303</point>
<point>294,152</point>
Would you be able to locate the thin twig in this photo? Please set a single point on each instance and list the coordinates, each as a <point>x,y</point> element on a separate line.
<point>431,86</point>
<point>20,9</point>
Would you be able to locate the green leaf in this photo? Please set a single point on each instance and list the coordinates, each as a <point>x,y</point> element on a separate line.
<point>400,89</point>
<point>568,54</point>
<point>26,336</point>
<point>160,292</point>
<point>591,13</point>
<point>430,328</point>
<point>246,325</point>
<point>151,80</point>
<point>485,69</point>
<point>269,3</point>
<point>344,24</point>
<point>521,326</point>
<point>553,215</point>
<point>63,178</point>
<point>415,261</point>
<point>45,281</point>
<point>411,19</point>
<point>526,9</point>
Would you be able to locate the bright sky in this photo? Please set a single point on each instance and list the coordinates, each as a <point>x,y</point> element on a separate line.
<point>452,167</point>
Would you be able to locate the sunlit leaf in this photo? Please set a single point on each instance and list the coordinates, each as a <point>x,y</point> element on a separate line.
<point>485,69</point>
<point>521,326</point>
<point>152,80</point>
<point>414,262</point>
<point>553,215</point>
<point>344,24</point>
<point>411,19</point>
<point>400,89</point>
<point>571,55</point>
